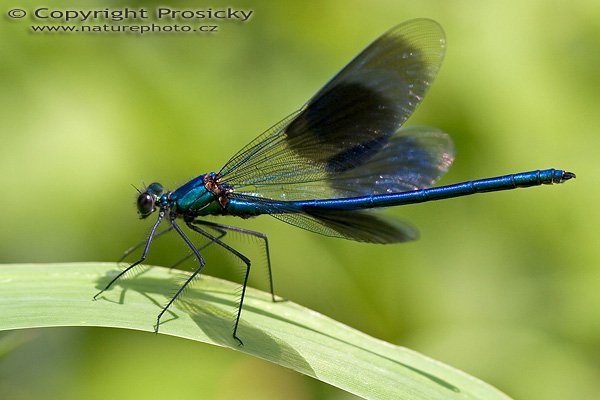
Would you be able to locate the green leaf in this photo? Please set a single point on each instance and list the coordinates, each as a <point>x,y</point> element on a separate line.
<point>44,295</point>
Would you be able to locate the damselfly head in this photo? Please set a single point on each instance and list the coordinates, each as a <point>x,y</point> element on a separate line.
<point>146,201</point>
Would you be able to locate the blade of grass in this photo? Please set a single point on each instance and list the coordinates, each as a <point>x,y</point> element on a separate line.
<point>45,295</point>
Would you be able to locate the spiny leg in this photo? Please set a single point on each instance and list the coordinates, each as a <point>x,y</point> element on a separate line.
<point>242,257</point>
<point>144,255</point>
<point>141,243</point>
<point>190,279</point>
<point>259,235</point>
<point>221,235</point>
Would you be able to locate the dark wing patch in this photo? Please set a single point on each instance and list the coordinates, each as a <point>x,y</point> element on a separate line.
<point>360,226</point>
<point>348,123</point>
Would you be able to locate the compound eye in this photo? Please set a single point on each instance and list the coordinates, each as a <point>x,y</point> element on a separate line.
<point>145,204</point>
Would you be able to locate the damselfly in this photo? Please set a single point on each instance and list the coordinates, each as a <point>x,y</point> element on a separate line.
<point>342,153</point>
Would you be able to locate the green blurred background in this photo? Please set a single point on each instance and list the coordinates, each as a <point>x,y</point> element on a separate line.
<point>504,286</point>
